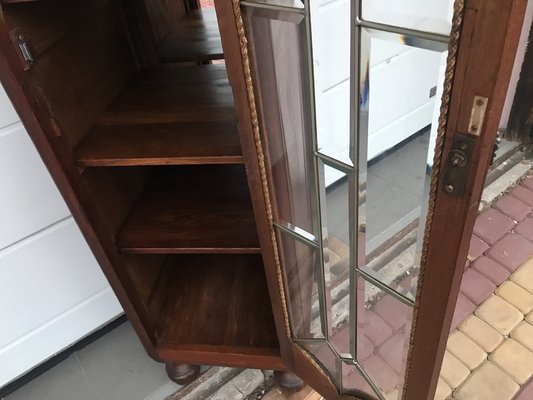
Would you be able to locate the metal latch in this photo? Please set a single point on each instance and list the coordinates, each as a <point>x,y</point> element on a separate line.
<point>25,50</point>
<point>457,164</point>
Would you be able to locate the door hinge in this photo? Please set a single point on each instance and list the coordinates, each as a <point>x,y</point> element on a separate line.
<point>457,165</point>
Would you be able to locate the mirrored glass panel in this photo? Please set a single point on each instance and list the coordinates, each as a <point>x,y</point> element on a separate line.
<point>398,119</point>
<point>429,16</point>
<point>303,280</point>
<point>281,72</point>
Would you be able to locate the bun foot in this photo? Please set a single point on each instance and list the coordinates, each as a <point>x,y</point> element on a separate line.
<point>182,374</point>
<point>288,381</point>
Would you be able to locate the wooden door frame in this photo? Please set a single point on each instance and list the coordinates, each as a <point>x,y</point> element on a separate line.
<point>489,39</point>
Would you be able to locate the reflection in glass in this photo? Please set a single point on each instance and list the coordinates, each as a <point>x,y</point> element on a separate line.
<point>349,127</point>
<point>284,112</point>
<point>398,113</point>
<point>383,330</point>
<point>428,16</point>
<point>302,279</point>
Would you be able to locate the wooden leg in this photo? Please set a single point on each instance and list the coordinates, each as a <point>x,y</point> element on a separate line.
<point>288,381</point>
<point>182,374</point>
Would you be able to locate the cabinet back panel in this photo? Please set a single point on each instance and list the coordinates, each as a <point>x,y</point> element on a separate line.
<point>163,15</point>
<point>83,58</point>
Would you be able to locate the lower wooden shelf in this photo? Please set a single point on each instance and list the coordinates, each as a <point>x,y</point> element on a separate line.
<point>215,308</point>
<point>192,209</point>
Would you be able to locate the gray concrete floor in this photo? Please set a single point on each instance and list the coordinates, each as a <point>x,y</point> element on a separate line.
<point>114,367</point>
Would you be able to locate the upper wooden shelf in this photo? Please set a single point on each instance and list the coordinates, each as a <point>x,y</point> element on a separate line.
<point>192,209</point>
<point>167,115</point>
<point>215,309</point>
<point>195,37</point>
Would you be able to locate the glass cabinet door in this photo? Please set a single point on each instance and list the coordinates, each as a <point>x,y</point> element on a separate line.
<point>349,96</point>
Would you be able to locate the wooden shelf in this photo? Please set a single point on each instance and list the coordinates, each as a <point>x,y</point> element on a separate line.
<point>167,115</point>
<point>192,209</point>
<point>195,37</point>
<point>215,309</point>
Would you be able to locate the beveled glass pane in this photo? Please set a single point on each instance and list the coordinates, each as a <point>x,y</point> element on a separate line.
<point>325,355</point>
<point>335,219</point>
<point>354,384</point>
<point>433,16</point>
<point>302,273</point>
<point>280,75</point>
<point>383,330</point>
<point>400,105</point>
<point>330,28</point>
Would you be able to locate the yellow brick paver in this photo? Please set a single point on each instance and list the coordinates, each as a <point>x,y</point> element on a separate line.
<point>466,350</point>
<point>523,334</point>
<point>453,371</point>
<point>529,318</point>
<point>443,390</point>
<point>499,314</point>
<point>515,359</point>
<point>524,276</point>
<point>516,296</point>
<point>482,333</point>
<point>488,382</point>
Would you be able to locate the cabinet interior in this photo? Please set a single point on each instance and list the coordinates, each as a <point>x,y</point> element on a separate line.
<point>149,122</point>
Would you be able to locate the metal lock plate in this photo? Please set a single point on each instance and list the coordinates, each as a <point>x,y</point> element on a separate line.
<point>458,164</point>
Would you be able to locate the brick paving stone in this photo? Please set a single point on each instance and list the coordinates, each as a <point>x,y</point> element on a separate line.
<point>453,371</point>
<point>523,334</point>
<point>529,318</point>
<point>393,350</point>
<point>393,312</point>
<point>488,382</point>
<point>512,207</point>
<point>515,359</point>
<point>365,348</point>
<point>394,395</point>
<point>375,328</point>
<point>491,269</point>
<point>516,296</point>
<point>477,248</point>
<point>511,251</point>
<point>385,378</point>
<point>499,314</point>
<point>443,390</point>
<point>524,276</point>
<point>466,350</point>
<point>527,182</point>
<point>463,308</point>
<point>527,392</point>
<point>491,225</point>
<point>476,287</point>
<point>523,194</point>
<point>482,333</point>
<point>525,228</point>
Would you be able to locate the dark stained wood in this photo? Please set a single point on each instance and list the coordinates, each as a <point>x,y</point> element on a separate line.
<point>161,144</point>
<point>488,44</point>
<point>167,115</point>
<point>292,355</point>
<point>182,374</point>
<point>214,303</point>
<point>55,153</point>
<point>192,209</point>
<point>289,381</point>
<point>194,37</point>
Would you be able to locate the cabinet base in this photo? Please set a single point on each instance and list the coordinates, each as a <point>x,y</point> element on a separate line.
<point>182,374</point>
<point>288,381</point>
